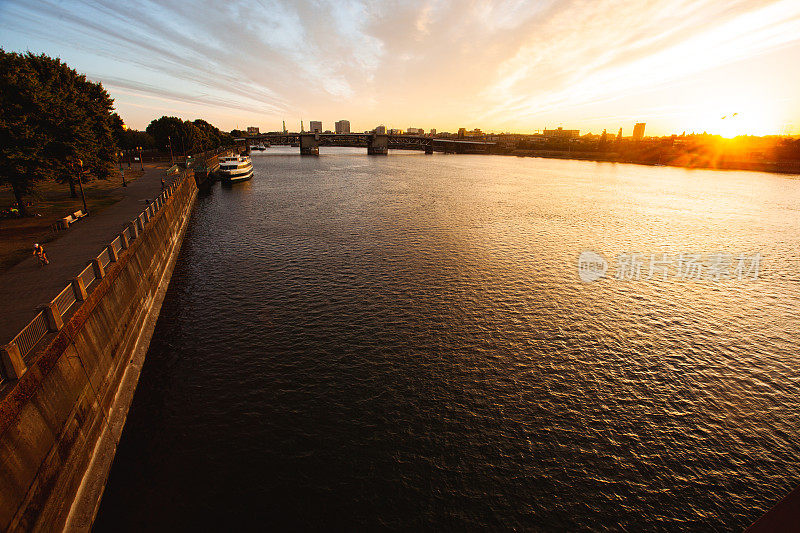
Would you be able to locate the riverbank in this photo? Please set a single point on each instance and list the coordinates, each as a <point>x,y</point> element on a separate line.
<point>26,285</point>
<point>63,407</point>
<point>778,167</point>
<point>50,203</point>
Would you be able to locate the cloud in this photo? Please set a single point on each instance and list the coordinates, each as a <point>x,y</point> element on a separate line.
<point>443,63</point>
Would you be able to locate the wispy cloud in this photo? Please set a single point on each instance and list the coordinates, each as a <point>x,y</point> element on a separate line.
<point>440,63</point>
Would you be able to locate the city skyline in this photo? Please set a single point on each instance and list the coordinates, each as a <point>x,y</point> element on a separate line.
<point>724,68</point>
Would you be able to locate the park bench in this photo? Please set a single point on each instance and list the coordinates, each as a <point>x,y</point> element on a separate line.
<point>70,219</point>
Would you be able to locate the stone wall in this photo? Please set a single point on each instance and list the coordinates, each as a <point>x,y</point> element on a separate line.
<point>60,422</point>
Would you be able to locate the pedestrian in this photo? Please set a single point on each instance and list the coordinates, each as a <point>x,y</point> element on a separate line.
<point>38,251</point>
<point>163,183</point>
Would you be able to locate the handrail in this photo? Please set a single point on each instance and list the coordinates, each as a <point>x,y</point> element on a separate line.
<point>87,275</point>
<point>65,299</point>
<point>31,334</point>
<point>27,339</point>
<point>104,258</point>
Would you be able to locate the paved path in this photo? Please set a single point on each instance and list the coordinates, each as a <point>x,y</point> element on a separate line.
<point>26,285</point>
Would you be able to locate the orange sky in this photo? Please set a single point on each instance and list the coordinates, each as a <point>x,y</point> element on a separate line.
<point>501,65</point>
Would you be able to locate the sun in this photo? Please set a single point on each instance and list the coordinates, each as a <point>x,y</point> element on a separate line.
<point>748,118</point>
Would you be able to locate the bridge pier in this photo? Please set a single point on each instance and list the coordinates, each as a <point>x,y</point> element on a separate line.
<point>309,144</point>
<point>377,144</point>
<point>429,148</point>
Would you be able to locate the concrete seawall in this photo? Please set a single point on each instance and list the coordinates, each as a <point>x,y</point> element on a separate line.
<point>61,421</point>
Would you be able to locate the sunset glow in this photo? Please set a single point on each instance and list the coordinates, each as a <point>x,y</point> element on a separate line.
<point>500,66</point>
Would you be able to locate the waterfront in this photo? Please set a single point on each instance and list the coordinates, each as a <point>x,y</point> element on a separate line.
<point>403,341</point>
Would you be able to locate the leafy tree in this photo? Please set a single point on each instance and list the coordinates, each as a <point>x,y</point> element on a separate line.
<point>186,137</point>
<point>132,139</point>
<point>51,118</point>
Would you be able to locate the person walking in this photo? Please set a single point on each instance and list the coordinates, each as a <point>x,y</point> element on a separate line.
<point>38,251</point>
<point>163,183</point>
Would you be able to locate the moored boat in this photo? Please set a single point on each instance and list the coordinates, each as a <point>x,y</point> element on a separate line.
<point>235,168</point>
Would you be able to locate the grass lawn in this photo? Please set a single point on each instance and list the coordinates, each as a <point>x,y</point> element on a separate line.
<point>51,202</point>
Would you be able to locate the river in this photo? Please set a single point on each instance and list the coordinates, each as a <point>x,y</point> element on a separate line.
<point>405,342</point>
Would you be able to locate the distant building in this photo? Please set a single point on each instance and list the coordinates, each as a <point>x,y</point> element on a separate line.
<point>638,131</point>
<point>561,133</point>
<point>252,130</point>
<point>462,132</point>
<point>433,131</point>
<point>380,130</point>
<point>415,131</point>
<point>395,131</point>
<point>315,126</point>
<point>342,126</point>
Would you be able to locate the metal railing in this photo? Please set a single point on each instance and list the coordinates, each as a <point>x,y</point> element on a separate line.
<point>116,244</point>
<point>27,339</point>
<point>31,334</point>
<point>104,258</point>
<point>65,300</point>
<point>87,276</point>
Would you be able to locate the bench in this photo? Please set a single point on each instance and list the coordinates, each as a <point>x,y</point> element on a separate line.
<point>66,221</point>
<point>69,219</point>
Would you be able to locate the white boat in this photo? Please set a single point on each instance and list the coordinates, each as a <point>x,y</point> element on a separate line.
<point>259,147</point>
<point>235,168</point>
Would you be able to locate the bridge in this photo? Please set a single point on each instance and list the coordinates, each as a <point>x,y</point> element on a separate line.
<point>375,143</point>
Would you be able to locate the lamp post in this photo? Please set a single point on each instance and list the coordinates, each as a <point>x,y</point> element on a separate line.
<point>172,157</point>
<point>80,182</point>
<point>141,161</point>
<point>183,150</point>
<point>121,171</point>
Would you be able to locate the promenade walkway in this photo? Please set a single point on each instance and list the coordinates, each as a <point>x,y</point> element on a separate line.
<point>26,285</point>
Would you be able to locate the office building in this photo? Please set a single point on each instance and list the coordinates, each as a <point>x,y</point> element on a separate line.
<point>342,126</point>
<point>315,126</point>
<point>638,131</point>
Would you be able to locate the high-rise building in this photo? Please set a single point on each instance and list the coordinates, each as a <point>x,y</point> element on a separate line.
<point>252,130</point>
<point>415,131</point>
<point>342,126</point>
<point>638,131</point>
<point>380,130</point>
<point>433,131</point>
<point>462,132</point>
<point>315,126</point>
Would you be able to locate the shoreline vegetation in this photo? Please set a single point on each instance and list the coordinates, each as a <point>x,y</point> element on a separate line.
<point>777,167</point>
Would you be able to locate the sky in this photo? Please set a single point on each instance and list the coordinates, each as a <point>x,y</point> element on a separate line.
<point>511,65</point>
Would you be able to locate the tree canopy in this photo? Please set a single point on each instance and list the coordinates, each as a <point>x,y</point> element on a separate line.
<point>186,136</point>
<point>50,118</point>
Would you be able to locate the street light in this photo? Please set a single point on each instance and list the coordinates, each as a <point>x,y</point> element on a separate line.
<point>172,157</point>
<point>80,182</point>
<point>121,171</point>
<point>141,161</point>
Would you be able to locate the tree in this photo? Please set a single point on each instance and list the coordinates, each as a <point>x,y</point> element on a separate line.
<point>186,137</point>
<point>51,117</point>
